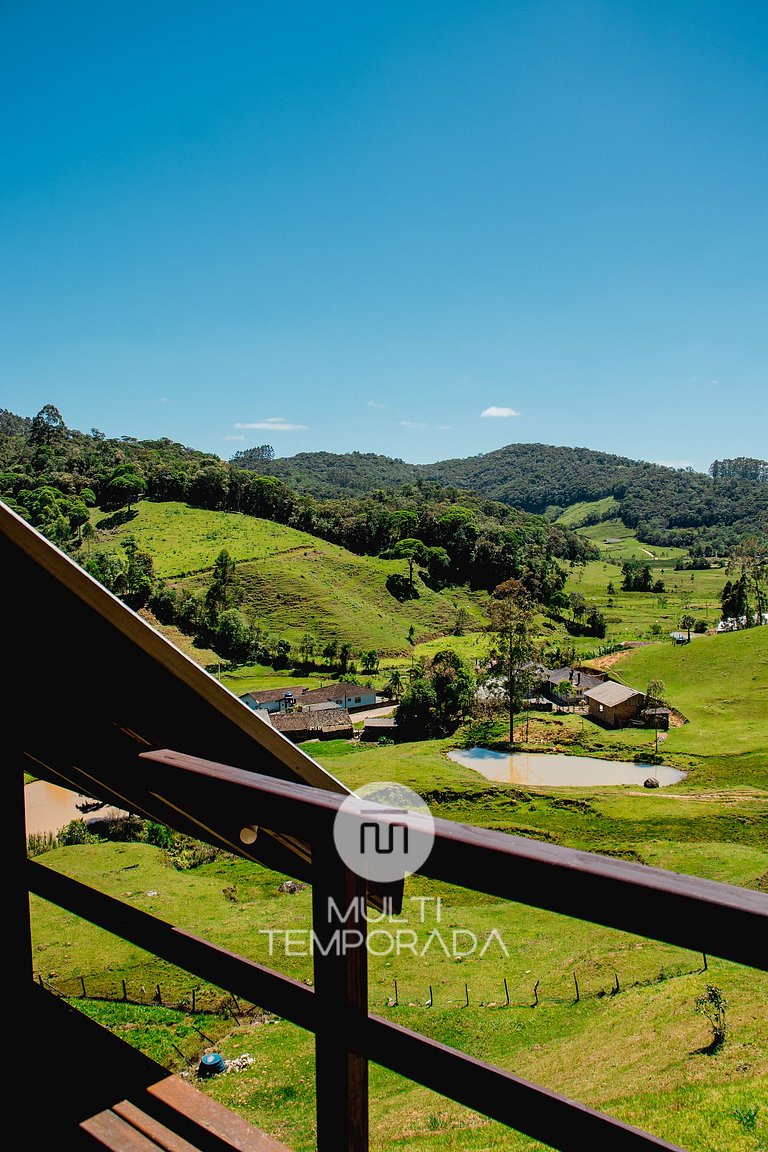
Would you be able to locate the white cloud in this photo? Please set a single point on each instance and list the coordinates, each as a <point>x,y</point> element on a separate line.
<point>271,424</point>
<point>233,437</point>
<point>375,404</point>
<point>674,463</point>
<point>499,412</point>
<point>424,424</point>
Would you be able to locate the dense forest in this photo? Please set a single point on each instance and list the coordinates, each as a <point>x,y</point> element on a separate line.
<point>666,506</point>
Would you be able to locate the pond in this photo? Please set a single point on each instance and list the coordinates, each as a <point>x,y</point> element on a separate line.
<point>545,768</point>
<point>49,808</point>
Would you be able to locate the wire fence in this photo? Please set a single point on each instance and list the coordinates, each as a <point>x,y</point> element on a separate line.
<point>195,1000</point>
<point>558,988</point>
<point>199,999</point>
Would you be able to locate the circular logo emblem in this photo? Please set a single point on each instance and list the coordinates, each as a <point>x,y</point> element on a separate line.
<point>384,831</point>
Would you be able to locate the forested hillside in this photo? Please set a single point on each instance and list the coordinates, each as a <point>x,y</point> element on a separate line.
<point>53,475</point>
<point>666,506</point>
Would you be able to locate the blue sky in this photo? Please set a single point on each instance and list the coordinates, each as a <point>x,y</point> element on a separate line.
<point>423,229</point>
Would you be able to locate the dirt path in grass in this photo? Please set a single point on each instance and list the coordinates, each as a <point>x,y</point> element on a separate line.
<point>729,796</point>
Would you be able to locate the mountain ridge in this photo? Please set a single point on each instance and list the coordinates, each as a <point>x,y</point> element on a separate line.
<point>664,505</point>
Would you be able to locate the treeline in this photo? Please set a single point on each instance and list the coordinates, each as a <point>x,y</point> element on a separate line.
<point>740,468</point>
<point>53,475</point>
<point>706,514</point>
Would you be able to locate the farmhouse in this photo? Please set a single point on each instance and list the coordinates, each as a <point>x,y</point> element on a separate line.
<point>568,685</point>
<point>272,699</point>
<point>613,704</point>
<point>343,695</point>
<point>329,724</point>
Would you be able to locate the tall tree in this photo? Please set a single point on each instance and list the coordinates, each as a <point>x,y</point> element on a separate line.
<point>750,560</point>
<point>512,650</point>
<point>345,655</point>
<point>687,621</point>
<point>654,698</point>
<point>440,695</point>
<point>412,550</point>
<point>225,590</point>
<point>307,647</point>
<point>330,651</point>
<point>47,426</point>
<point>394,685</point>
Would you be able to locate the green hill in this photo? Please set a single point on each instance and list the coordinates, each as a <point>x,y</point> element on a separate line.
<point>295,583</point>
<point>719,683</point>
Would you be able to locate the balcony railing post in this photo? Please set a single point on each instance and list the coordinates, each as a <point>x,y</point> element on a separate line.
<point>341,988</point>
<point>21,949</point>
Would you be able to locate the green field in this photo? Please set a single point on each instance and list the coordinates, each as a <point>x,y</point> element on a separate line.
<point>635,615</point>
<point>588,512</point>
<point>617,542</point>
<point>719,683</point>
<point>182,539</point>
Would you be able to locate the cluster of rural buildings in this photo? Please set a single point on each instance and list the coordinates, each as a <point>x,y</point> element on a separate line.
<point>327,713</point>
<point>609,703</point>
<point>319,713</point>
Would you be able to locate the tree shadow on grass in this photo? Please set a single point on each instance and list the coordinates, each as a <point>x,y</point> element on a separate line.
<point>710,1049</point>
<point>116,519</point>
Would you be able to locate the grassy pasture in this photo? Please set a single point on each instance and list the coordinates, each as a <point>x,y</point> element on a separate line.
<point>182,539</point>
<point>720,683</point>
<point>295,583</point>
<point>575,515</point>
<point>634,615</point>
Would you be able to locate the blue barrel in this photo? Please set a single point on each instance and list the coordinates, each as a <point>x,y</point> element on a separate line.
<point>211,1063</point>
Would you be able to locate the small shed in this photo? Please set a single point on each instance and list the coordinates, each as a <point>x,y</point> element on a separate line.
<point>377,726</point>
<point>614,704</point>
<point>656,717</point>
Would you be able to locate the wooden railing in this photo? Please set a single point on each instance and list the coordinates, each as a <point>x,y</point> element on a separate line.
<point>701,915</point>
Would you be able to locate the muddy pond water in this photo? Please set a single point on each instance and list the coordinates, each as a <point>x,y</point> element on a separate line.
<point>49,808</point>
<point>556,769</point>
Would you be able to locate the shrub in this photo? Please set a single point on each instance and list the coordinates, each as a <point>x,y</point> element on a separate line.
<point>40,842</point>
<point>76,832</point>
<point>712,1004</point>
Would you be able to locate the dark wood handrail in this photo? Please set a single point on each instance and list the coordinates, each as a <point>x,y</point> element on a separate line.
<point>687,911</point>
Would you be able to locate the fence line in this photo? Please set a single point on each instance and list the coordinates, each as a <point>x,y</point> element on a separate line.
<point>210,1001</point>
